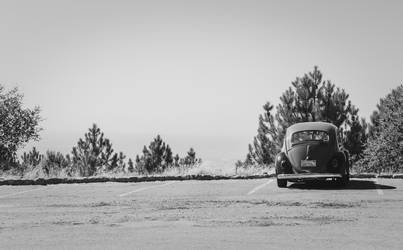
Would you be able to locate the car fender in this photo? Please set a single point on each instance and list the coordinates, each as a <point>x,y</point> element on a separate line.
<point>343,158</point>
<point>282,164</point>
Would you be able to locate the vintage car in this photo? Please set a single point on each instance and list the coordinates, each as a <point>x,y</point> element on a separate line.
<point>312,151</point>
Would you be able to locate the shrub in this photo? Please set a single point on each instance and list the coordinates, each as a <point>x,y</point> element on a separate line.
<point>385,144</point>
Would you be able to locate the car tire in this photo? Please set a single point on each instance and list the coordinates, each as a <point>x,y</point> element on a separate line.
<point>281,183</point>
<point>343,181</point>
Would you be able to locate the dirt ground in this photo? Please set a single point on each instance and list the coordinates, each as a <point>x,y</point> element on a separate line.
<point>227,214</point>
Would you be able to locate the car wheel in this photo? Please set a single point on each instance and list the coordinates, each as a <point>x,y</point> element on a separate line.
<point>343,181</point>
<point>281,183</point>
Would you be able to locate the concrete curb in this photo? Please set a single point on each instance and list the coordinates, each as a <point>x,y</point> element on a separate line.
<point>52,181</point>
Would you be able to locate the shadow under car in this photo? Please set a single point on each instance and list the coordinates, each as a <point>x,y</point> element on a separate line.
<point>352,185</point>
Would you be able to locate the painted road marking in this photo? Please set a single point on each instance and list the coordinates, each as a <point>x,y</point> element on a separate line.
<point>378,190</point>
<point>260,187</point>
<point>22,192</point>
<point>146,188</point>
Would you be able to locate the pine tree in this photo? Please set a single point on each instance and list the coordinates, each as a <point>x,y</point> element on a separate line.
<point>121,162</point>
<point>55,162</point>
<point>310,98</point>
<point>153,157</point>
<point>168,159</point>
<point>355,138</point>
<point>93,152</point>
<point>265,144</point>
<point>176,160</point>
<point>158,156</point>
<point>130,166</point>
<point>190,158</point>
<point>32,158</point>
<point>114,162</point>
<point>157,149</point>
<point>139,164</point>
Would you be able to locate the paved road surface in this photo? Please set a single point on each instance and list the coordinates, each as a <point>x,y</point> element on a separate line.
<point>228,214</point>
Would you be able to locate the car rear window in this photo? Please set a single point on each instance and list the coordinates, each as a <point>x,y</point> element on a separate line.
<point>314,135</point>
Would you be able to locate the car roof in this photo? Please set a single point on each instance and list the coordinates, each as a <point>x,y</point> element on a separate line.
<point>323,126</point>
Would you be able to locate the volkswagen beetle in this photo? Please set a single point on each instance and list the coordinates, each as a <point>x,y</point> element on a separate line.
<point>312,151</point>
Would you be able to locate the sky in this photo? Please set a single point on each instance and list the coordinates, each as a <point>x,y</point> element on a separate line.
<point>195,72</point>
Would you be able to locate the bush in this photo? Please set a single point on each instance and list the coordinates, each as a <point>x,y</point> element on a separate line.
<point>384,152</point>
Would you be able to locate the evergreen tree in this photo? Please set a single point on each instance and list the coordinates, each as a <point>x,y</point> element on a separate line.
<point>113,163</point>
<point>190,158</point>
<point>385,144</point>
<point>310,98</point>
<point>176,160</point>
<point>139,163</point>
<point>121,162</point>
<point>355,138</point>
<point>158,156</point>
<point>130,166</point>
<point>54,162</point>
<point>157,149</point>
<point>265,144</point>
<point>93,152</point>
<point>153,158</point>
<point>168,159</point>
<point>32,158</point>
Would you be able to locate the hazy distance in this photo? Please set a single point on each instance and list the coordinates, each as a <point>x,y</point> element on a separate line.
<point>196,72</point>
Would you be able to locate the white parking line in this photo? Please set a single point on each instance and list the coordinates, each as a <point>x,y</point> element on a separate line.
<point>260,187</point>
<point>22,192</point>
<point>146,188</point>
<point>378,190</point>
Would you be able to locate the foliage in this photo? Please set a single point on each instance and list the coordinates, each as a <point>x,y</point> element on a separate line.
<point>18,125</point>
<point>310,98</point>
<point>190,158</point>
<point>176,160</point>
<point>94,155</point>
<point>94,152</point>
<point>355,139</point>
<point>158,157</point>
<point>130,167</point>
<point>266,144</point>
<point>32,158</point>
<point>55,162</point>
<point>385,144</point>
<point>121,164</point>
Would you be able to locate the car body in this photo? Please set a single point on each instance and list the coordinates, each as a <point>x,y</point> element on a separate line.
<point>312,151</point>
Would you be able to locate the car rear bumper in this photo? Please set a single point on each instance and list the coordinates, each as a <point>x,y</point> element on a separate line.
<point>308,176</point>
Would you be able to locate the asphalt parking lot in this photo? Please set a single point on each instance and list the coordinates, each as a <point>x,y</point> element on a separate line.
<point>225,214</point>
